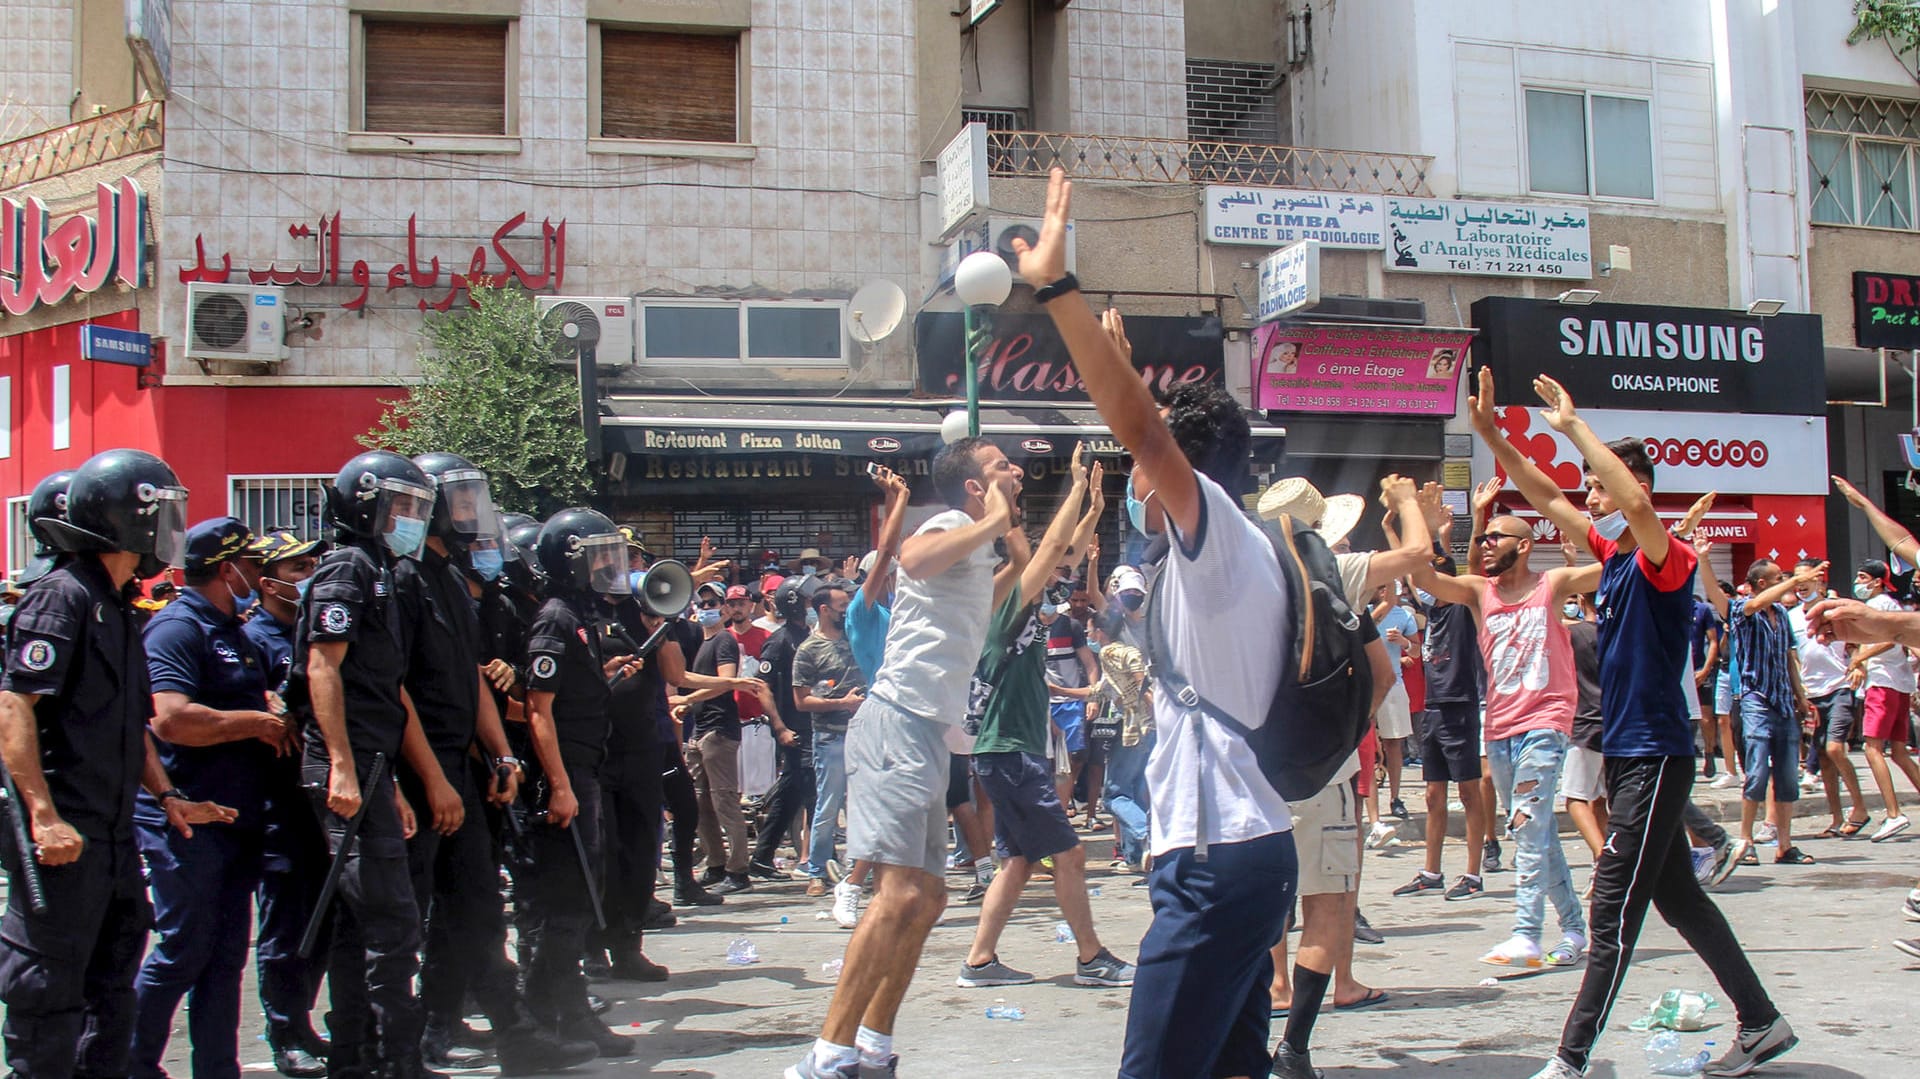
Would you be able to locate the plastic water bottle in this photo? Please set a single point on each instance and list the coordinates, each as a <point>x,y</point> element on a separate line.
<point>1062,933</point>
<point>1006,1011</point>
<point>1667,1056</point>
<point>742,952</point>
<point>1093,892</point>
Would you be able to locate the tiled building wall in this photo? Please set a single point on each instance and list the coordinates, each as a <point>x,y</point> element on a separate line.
<point>1127,67</point>
<point>256,144</point>
<point>36,66</point>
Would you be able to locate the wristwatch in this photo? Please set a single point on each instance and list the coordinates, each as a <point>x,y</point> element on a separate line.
<point>1049,293</point>
<point>170,792</point>
<point>514,762</point>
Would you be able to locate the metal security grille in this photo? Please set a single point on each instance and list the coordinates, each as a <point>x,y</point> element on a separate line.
<point>839,527</point>
<point>1861,156</point>
<point>272,502</point>
<point>19,536</point>
<point>996,120</point>
<point>1232,99</point>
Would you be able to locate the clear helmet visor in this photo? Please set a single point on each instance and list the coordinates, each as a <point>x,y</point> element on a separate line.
<point>469,503</point>
<point>405,510</point>
<point>606,558</point>
<point>169,508</point>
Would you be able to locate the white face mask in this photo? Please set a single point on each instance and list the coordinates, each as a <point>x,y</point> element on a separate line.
<point>1612,526</point>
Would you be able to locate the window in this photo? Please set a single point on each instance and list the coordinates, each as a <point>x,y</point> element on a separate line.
<point>268,503</point>
<point>1860,153</point>
<point>763,333</point>
<point>19,536</point>
<point>668,86</point>
<point>1589,144</point>
<point>1232,100</point>
<point>433,77</point>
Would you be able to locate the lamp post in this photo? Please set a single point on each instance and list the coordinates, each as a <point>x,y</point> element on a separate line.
<point>982,281</point>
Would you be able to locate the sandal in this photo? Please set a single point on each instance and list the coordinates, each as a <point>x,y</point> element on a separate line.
<point>1830,832</point>
<point>1793,856</point>
<point>1747,856</point>
<point>1854,827</point>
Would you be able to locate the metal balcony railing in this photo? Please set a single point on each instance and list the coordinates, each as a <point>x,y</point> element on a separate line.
<point>1205,161</point>
<point>91,141</point>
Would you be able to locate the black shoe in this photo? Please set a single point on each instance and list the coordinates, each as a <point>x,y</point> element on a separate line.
<point>596,964</point>
<point>1291,1065</point>
<point>689,894</point>
<point>767,872</point>
<point>464,1034</point>
<point>659,916</point>
<point>297,1063</point>
<point>598,1004</point>
<point>733,885</point>
<point>529,1050</point>
<point>1399,809</point>
<point>586,1028</point>
<point>436,1045</point>
<point>638,968</point>
<point>712,877</point>
<point>1364,933</point>
<point>410,1066</point>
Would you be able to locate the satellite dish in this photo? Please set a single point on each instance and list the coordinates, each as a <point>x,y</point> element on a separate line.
<point>876,311</point>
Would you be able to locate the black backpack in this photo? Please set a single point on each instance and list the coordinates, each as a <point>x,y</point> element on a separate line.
<point>1324,702</point>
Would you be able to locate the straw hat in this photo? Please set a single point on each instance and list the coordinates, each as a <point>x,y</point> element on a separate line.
<point>1332,517</point>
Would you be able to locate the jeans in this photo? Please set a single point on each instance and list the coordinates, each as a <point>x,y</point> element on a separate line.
<point>1771,740</point>
<point>1127,796</point>
<point>1539,866</point>
<point>829,798</point>
<point>793,792</point>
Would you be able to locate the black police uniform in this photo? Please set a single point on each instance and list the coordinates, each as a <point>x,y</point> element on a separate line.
<point>202,887</point>
<point>794,791</point>
<point>640,749</point>
<point>564,658</point>
<point>455,877</point>
<point>66,976</point>
<point>293,867</point>
<point>376,929</point>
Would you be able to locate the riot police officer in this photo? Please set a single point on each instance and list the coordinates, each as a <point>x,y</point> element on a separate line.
<point>294,859</point>
<point>73,730</point>
<point>348,665</point>
<point>47,502</point>
<point>218,741</point>
<point>567,696</point>
<point>456,878</point>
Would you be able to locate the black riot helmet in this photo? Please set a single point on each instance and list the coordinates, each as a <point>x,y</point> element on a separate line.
<point>463,509</point>
<point>583,553</point>
<point>48,501</point>
<point>791,598</point>
<point>382,495</point>
<point>124,500</point>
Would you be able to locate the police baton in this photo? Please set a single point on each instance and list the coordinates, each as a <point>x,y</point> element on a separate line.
<point>16,813</point>
<point>586,871</point>
<point>368,791</point>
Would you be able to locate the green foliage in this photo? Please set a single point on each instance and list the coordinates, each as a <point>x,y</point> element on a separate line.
<point>1897,21</point>
<point>489,393</point>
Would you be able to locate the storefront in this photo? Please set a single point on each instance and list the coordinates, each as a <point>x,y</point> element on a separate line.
<point>1726,402</point>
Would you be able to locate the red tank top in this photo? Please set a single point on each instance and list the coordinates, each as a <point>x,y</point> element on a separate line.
<point>1529,663</point>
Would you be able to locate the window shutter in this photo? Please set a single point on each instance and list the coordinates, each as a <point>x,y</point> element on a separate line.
<point>439,77</point>
<point>673,87</point>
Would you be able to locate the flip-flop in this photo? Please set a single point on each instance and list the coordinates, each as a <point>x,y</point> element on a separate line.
<point>1854,828</point>
<point>1829,833</point>
<point>1376,996</point>
<point>1794,856</point>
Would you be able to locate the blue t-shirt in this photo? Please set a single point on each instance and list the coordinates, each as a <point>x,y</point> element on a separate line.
<point>867,629</point>
<point>1401,619</point>
<point>1646,620</point>
<point>196,650</point>
<point>1706,622</point>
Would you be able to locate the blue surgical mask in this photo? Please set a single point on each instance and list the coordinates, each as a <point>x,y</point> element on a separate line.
<point>1612,526</point>
<point>1136,510</point>
<point>809,570</point>
<point>302,584</point>
<point>1572,611</point>
<point>1048,610</point>
<point>488,563</point>
<point>1862,592</point>
<point>405,536</point>
<point>813,617</point>
<point>709,617</point>
<point>1095,647</point>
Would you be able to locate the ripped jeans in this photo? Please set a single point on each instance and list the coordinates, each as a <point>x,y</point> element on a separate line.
<point>1526,773</point>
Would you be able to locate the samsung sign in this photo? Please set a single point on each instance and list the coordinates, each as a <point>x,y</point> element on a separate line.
<point>1634,356</point>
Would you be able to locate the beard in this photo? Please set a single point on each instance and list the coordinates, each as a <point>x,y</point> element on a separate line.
<point>1503,563</point>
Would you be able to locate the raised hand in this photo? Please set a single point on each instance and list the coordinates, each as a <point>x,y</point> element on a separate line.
<point>1809,574</point>
<point>1077,464</point>
<point>1116,328</point>
<point>1432,507</point>
<point>1851,493</point>
<point>1480,407</point>
<point>1396,489</point>
<point>1097,497</point>
<point>1484,496</point>
<point>1559,413</point>
<point>1695,514</point>
<point>1046,261</point>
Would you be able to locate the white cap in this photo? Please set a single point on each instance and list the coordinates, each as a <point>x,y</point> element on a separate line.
<point>1127,579</point>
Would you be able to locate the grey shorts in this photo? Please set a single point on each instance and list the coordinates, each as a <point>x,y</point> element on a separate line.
<point>897,789</point>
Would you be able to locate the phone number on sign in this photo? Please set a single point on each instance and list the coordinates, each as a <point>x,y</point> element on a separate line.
<point>1353,403</point>
<point>1528,267</point>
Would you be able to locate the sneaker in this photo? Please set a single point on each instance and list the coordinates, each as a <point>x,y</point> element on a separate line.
<point>1766,833</point>
<point>1555,1069</point>
<point>807,1069</point>
<point>1809,783</point>
<point>835,871</point>
<point>1421,884</point>
<point>1911,947</point>
<point>1702,864</point>
<point>1752,1048</point>
<point>1892,827</point>
<point>1490,856</point>
<point>1288,1064</point>
<point>1363,933</point>
<point>1517,952</point>
<point>975,893</point>
<point>733,885</point>
<point>1725,861</point>
<point>991,973</point>
<point>846,904</point>
<point>1912,906</point>
<point>689,894</point>
<point>1723,781</point>
<point>1466,887</point>
<point>1571,950</point>
<point>763,871</point>
<point>1105,969</point>
<point>1399,809</point>
<point>1380,835</point>
<point>816,888</point>
<point>881,1071</point>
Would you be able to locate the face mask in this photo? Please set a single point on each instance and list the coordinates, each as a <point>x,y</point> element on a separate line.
<point>1571,610</point>
<point>1862,592</point>
<point>1048,610</point>
<point>406,536</point>
<point>709,617</point>
<point>1612,526</point>
<point>1095,647</point>
<point>809,570</point>
<point>1132,600</point>
<point>813,617</point>
<point>488,564</point>
<point>1136,510</point>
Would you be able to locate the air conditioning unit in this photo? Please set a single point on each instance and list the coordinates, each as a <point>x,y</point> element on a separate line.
<point>236,323</point>
<point>1002,230</point>
<point>612,316</point>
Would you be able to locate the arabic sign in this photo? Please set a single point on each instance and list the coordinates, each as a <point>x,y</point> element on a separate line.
<point>1886,310</point>
<point>963,177</point>
<point>326,269</point>
<point>1691,451</point>
<point>44,263</point>
<point>1379,369</point>
<point>1025,360</point>
<point>128,348</point>
<point>1489,239</point>
<point>1638,356</point>
<point>980,9</point>
<point>1271,216</point>
<point>1289,279</point>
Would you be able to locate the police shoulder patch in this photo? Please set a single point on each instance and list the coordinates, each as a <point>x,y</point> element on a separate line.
<point>335,618</point>
<point>37,654</point>
<point>544,667</point>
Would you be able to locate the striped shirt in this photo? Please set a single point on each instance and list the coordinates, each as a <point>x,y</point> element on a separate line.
<point>1763,645</point>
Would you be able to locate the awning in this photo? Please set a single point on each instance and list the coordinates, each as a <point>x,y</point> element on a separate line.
<point>661,426</point>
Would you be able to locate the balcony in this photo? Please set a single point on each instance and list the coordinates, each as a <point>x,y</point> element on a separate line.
<point>1206,161</point>
<point>89,142</point>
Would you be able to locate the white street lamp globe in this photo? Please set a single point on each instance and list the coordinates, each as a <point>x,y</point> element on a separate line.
<point>983,278</point>
<point>953,427</point>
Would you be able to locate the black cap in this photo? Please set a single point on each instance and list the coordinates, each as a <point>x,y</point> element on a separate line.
<point>214,541</point>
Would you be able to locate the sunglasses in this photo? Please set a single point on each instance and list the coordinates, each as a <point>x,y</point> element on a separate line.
<point>1488,539</point>
<point>709,604</point>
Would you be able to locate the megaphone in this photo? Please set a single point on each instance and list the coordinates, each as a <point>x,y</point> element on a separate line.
<point>665,588</point>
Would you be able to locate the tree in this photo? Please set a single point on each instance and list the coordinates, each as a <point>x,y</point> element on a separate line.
<point>1897,22</point>
<point>490,392</point>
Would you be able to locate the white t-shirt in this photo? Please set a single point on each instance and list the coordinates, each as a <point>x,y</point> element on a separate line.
<point>1231,580</point>
<point>1891,669</point>
<point>939,625</point>
<point>1823,667</point>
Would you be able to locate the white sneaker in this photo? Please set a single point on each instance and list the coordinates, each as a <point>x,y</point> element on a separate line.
<point>1517,952</point>
<point>1766,833</point>
<point>1725,780</point>
<point>1558,1069</point>
<point>1381,834</point>
<point>1893,827</point>
<point>1809,782</point>
<point>846,904</point>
